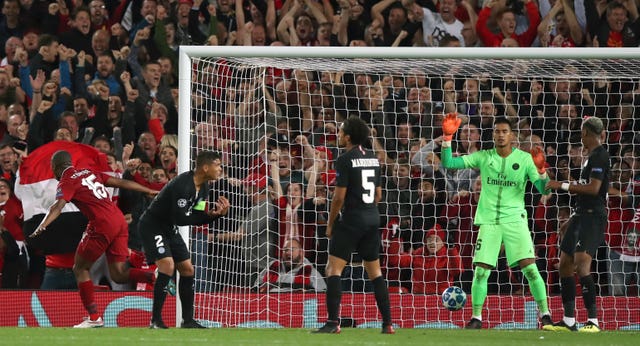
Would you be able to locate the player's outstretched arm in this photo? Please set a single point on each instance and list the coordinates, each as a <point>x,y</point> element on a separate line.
<point>589,189</point>
<point>129,185</point>
<point>450,125</point>
<point>54,211</point>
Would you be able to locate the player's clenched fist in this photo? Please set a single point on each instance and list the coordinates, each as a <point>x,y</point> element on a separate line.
<point>538,158</point>
<point>450,125</point>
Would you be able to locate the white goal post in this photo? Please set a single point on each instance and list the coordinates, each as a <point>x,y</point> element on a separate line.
<point>233,99</point>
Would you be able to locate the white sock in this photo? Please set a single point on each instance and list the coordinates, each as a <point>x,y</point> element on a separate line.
<point>479,318</point>
<point>594,321</point>
<point>569,321</point>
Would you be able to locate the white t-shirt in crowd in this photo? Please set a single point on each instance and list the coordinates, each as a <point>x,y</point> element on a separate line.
<point>434,28</point>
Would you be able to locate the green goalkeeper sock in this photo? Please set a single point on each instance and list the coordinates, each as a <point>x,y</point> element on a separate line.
<point>537,287</point>
<point>479,289</point>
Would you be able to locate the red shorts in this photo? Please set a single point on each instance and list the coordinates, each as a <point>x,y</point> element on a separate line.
<point>110,237</point>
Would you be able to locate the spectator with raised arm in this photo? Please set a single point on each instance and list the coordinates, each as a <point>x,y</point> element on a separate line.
<point>469,32</point>
<point>10,49</point>
<point>568,32</point>
<point>108,70</point>
<point>577,6</point>
<point>226,15</point>
<point>188,28</point>
<point>257,244</point>
<point>358,14</point>
<point>619,27</point>
<point>151,89</point>
<point>45,59</point>
<point>468,142</point>
<point>435,25</point>
<point>79,37</point>
<point>289,199</point>
<point>42,125</point>
<point>84,126</point>
<point>260,28</point>
<point>392,18</point>
<point>297,28</point>
<point>102,18</point>
<point>146,16</point>
<point>506,19</point>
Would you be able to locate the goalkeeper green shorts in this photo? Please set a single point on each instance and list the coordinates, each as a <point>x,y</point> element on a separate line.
<point>516,239</point>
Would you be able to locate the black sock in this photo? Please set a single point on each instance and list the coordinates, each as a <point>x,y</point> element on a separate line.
<point>159,295</point>
<point>589,295</point>
<point>185,287</point>
<point>568,289</point>
<point>334,294</point>
<point>382,299</point>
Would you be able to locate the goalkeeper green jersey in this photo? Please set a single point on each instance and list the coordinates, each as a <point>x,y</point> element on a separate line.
<point>503,183</point>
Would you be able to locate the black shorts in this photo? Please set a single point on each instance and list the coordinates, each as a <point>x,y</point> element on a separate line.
<point>349,236</point>
<point>162,240</point>
<point>585,233</point>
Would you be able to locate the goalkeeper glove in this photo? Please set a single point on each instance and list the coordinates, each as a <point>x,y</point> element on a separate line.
<point>450,125</point>
<point>538,159</point>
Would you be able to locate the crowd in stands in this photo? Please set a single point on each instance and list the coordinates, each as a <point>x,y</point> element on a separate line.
<point>104,73</point>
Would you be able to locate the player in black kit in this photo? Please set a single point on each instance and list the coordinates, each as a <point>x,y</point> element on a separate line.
<point>183,201</point>
<point>584,232</point>
<point>355,198</point>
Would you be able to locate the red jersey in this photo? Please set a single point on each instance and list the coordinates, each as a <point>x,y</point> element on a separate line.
<point>85,188</point>
<point>13,217</point>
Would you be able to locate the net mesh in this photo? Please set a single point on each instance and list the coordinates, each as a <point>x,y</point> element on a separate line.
<point>275,120</point>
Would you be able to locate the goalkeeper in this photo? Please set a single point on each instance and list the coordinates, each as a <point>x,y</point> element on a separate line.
<point>501,215</point>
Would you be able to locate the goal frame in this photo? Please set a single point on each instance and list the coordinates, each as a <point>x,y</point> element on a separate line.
<point>186,53</point>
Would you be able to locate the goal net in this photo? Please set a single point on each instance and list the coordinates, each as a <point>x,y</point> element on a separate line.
<point>273,114</point>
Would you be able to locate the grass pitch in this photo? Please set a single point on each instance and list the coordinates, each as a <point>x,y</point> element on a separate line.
<point>303,337</point>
